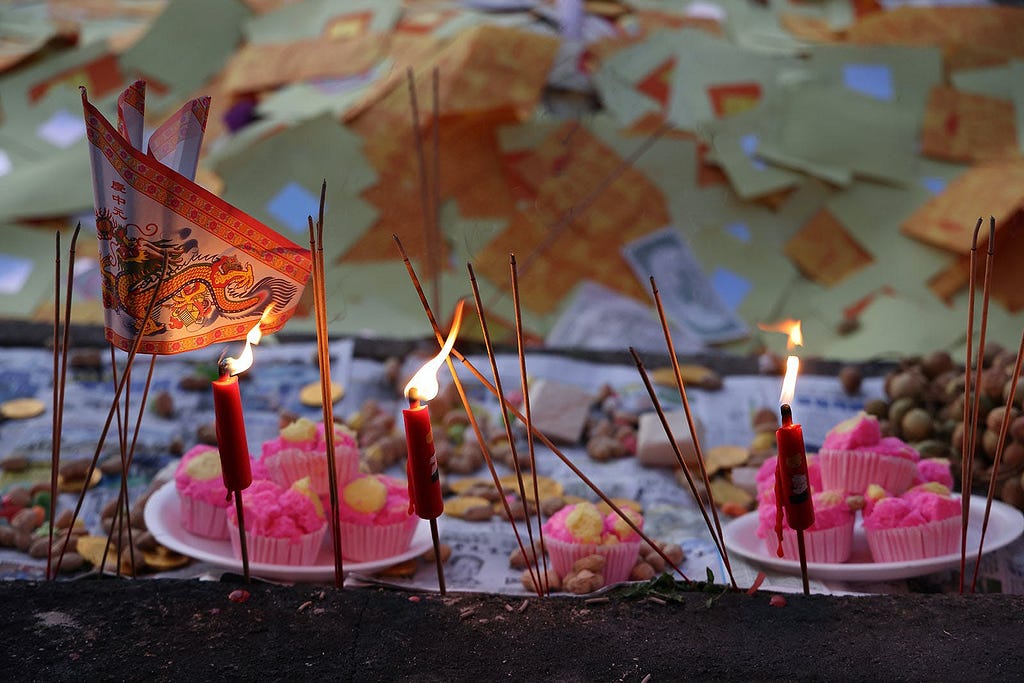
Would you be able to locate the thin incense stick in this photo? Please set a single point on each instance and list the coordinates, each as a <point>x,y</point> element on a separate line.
<point>504,415</point>
<point>1003,429</point>
<point>693,431</point>
<point>56,386</point>
<point>126,466</point>
<point>438,240</point>
<point>967,484</point>
<point>524,384</point>
<point>964,491</point>
<point>482,440</point>
<point>324,363</point>
<point>428,231</point>
<point>117,521</point>
<point>64,347</point>
<point>515,411</point>
<point>136,343</point>
<point>678,453</point>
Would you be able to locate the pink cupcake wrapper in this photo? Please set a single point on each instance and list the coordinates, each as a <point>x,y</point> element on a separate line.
<point>288,466</point>
<point>854,471</point>
<point>903,544</point>
<point>619,558</point>
<point>300,551</point>
<point>366,543</point>
<point>203,519</point>
<point>831,546</point>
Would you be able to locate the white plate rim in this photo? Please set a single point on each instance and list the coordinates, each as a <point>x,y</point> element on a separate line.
<point>1006,523</point>
<point>163,521</point>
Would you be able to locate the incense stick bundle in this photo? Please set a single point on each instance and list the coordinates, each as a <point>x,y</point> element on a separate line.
<point>58,412</point>
<point>136,343</point>
<point>972,392</point>
<point>316,245</point>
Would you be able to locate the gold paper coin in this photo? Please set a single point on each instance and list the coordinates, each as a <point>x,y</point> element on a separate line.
<point>691,374</point>
<point>460,486</point>
<point>546,486</point>
<point>21,408</point>
<point>163,559</point>
<point>402,570</point>
<point>76,485</point>
<point>311,396</point>
<point>92,547</point>
<point>726,492</point>
<point>457,506</point>
<point>727,457</point>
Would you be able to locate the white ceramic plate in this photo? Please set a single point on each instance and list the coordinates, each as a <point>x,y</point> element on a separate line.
<point>1005,524</point>
<point>164,522</point>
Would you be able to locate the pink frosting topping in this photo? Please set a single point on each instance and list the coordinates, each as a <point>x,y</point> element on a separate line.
<point>895,513</point>
<point>344,443</point>
<point>199,476</point>
<point>934,469</point>
<point>394,506</point>
<point>583,523</point>
<point>859,431</point>
<point>276,512</point>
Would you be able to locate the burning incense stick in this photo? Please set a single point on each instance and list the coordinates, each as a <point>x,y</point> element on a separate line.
<point>504,415</point>
<point>1004,427</point>
<point>679,456</point>
<point>717,531</point>
<point>316,246</point>
<point>524,383</point>
<point>136,343</point>
<point>972,395</point>
<point>539,434</point>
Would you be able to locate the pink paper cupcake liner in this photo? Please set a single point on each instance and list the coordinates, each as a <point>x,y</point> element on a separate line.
<point>301,551</point>
<point>854,471</point>
<point>619,557</point>
<point>203,519</point>
<point>288,466</point>
<point>915,542</point>
<point>366,543</point>
<point>831,546</point>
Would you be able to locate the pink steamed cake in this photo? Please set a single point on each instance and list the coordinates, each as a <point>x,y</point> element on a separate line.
<point>855,455</point>
<point>374,516</point>
<point>924,522</point>
<point>578,530</point>
<point>829,539</point>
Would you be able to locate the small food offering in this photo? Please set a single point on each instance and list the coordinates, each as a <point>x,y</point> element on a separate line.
<point>579,530</point>
<point>373,512</point>
<point>282,525</point>
<point>923,522</point>
<point>856,455</point>
<point>828,539</point>
<point>203,498</point>
<point>300,451</point>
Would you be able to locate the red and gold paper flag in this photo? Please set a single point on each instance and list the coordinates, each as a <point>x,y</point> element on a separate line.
<point>210,269</point>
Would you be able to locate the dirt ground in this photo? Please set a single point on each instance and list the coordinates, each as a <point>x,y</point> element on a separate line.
<point>182,630</point>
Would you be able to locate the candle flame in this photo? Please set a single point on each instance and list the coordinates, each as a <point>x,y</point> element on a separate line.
<point>423,385</point>
<point>235,366</point>
<point>789,381</point>
<point>788,327</point>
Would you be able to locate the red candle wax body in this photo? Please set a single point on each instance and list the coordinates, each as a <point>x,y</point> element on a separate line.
<point>791,474</point>
<point>424,478</point>
<point>231,441</point>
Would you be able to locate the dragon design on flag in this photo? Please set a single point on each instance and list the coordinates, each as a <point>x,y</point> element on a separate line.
<point>196,289</point>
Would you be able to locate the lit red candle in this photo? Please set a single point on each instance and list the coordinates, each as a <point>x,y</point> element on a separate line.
<point>791,468</point>
<point>421,466</point>
<point>230,421</point>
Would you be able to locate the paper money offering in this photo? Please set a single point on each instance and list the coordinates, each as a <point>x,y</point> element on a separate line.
<point>686,294</point>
